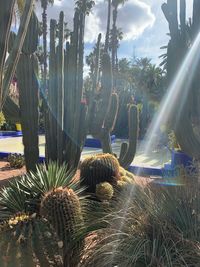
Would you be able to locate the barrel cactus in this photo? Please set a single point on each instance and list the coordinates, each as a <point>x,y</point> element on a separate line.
<point>98,169</point>
<point>104,191</point>
<point>61,207</point>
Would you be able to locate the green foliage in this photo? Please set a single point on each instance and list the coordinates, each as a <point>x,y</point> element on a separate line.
<point>16,161</point>
<point>151,226</point>
<point>24,194</point>
<point>84,6</point>
<point>20,204</point>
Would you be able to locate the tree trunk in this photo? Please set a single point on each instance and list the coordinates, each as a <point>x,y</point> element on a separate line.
<point>114,48</point>
<point>108,27</point>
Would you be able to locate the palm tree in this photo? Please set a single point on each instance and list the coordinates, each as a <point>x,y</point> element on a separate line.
<point>44,4</point>
<point>115,4</point>
<point>108,27</point>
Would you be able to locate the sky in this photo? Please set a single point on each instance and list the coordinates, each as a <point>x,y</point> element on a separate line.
<point>142,22</point>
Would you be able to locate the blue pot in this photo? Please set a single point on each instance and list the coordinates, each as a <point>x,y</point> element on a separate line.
<point>180,158</point>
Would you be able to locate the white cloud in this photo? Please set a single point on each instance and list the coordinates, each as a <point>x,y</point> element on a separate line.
<point>133,18</point>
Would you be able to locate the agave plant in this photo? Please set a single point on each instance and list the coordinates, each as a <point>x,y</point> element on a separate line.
<point>25,193</point>
<point>157,226</point>
<point>35,239</point>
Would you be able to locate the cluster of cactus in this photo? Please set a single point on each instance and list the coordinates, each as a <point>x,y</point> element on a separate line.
<point>66,118</point>
<point>16,160</point>
<point>103,111</point>
<point>182,36</point>
<point>98,169</point>
<point>8,67</point>
<point>28,241</point>
<point>101,174</point>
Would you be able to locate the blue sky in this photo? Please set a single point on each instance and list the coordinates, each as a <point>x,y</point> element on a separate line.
<point>142,21</point>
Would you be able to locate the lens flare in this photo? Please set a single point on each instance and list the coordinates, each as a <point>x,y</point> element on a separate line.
<point>178,90</point>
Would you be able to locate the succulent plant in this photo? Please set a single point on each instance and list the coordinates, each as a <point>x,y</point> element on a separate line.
<point>61,207</point>
<point>6,13</point>
<point>66,116</point>
<point>104,191</point>
<point>182,36</point>
<point>16,161</point>
<point>28,241</point>
<point>98,169</point>
<point>28,94</point>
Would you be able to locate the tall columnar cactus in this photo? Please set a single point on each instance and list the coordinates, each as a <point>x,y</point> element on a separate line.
<point>61,207</point>
<point>66,124</point>
<point>181,40</point>
<point>27,74</point>
<point>103,115</point>
<point>6,14</point>
<point>128,150</point>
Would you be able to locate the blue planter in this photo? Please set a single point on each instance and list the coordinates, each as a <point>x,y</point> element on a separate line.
<point>180,158</point>
<point>92,142</point>
<point>6,134</point>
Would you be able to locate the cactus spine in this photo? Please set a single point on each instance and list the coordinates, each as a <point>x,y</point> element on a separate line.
<point>27,73</point>
<point>6,13</point>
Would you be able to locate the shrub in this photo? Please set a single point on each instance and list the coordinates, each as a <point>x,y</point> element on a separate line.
<point>16,161</point>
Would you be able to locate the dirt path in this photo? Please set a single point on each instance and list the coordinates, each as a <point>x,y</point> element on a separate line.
<point>7,173</point>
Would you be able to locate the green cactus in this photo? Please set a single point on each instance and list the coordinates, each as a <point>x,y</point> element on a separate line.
<point>104,191</point>
<point>66,119</point>
<point>128,151</point>
<point>27,74</point>
<point>6,13</point>
<point>103,114</point>
<point>61,207</point>
<point>11,110</point>
<point>181,39</point>
<point>98,169</point>
<point>104,108</point>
